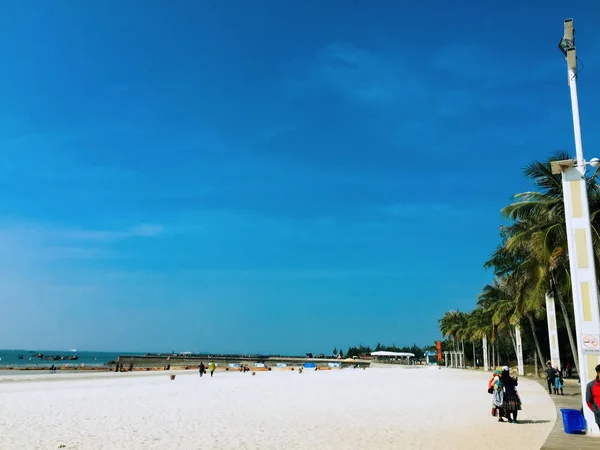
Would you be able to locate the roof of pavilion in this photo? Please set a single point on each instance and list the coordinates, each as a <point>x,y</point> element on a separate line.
<point>383,353</point>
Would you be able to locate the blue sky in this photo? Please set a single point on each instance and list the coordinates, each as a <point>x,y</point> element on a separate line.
<point>268,176</point>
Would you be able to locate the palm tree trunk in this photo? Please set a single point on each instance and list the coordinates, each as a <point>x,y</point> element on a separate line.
<point>484,349</point>
<point>572,344</point>
<point>535,339</point>
<point>513,340</point>
<point>567,319</point>
<point>464,363</point>
<point>474,358</point>
<point>498,351</point>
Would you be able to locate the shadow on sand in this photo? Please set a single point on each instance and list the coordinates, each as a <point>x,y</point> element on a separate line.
<point>525,422</point>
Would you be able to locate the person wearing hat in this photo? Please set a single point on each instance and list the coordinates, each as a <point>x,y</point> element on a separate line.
<point>549,376</point>
<point>592,395</point>
<point>511,401</point>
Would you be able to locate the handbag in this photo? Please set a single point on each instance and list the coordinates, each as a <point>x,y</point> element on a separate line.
<point>490,390</point>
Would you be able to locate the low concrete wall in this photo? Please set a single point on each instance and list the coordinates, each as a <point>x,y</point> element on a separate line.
<point>155,361</point>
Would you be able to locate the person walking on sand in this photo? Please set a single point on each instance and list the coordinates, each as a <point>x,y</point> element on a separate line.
<point>202,369</point>
<point>211,367</point>
<point>498,396</point>
<point>512,402</point>
<point>491,391</point>
<point>549,376</point>
<point>592,395</point>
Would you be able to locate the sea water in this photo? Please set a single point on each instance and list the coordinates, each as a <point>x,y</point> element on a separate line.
<point>10,358</point>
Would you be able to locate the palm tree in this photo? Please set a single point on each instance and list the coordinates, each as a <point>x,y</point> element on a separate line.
<point>539,231</point>
<point>498,300</point>
<point>454,325</point>
<point>510,263</point>
<point>469,334</point>
<point>479,327</point>
<point>489,329</point>
<point>531,262</point>
<point>501,303</point>
<point>462,333</point>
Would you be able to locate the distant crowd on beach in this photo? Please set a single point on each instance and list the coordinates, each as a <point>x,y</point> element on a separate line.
<point>120,368</point>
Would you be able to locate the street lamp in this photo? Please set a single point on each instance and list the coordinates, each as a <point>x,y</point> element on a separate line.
<point>579,239</point>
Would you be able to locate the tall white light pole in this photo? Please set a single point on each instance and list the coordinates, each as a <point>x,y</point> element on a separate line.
<point>579,239</point>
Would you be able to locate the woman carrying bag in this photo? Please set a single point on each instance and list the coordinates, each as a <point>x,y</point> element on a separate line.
<point>495,388</point>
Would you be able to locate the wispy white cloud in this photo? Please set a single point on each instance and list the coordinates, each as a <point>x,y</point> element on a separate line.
<point>257,274</point>
<point>304,274</point>
<point>425,98</point>
<point>51,157</point>
<point>29,244</point>
<point>279,131</point>
<point>479,64</point>
<point>138,231</point>
<point>415,210</point>
<point>365,76</point>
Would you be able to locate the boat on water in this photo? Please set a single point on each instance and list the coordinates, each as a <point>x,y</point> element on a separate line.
<point>20,356</point>
<point>63,358</point>
<point>56,357</point>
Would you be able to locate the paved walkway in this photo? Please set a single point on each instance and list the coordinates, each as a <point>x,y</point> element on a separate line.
<point>558,439</point>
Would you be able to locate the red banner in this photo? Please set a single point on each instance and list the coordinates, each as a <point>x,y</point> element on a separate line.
<point>438,344</point>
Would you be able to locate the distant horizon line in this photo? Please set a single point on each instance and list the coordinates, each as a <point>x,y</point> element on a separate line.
<point>172,352</point>
<point>151,353</point>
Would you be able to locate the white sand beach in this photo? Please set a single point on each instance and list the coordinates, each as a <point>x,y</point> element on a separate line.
<point>400,408</point>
